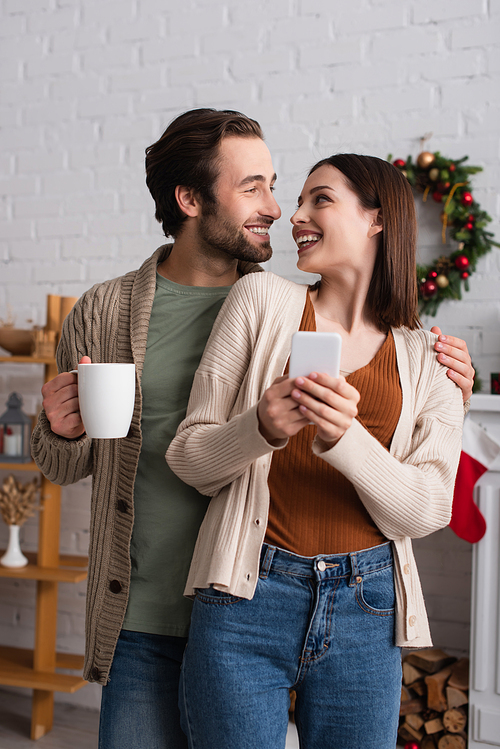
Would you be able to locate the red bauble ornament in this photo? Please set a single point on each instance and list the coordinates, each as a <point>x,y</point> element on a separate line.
<point>399,163</point>
<point>469,226</point>
<point>437,196</point>
<point>452,168</point>
<point>462,262</point>
<point>471,218</point>
<point>443,186</point>
<point>412,745</point>
<point>467,199</point>
<point>432,274</point>
<point>428,288</point>
<point>465,274</point>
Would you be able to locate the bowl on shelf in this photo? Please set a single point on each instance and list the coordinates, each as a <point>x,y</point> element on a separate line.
<point>17,341</point>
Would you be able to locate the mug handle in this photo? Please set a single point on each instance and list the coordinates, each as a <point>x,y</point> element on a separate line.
<point>73,371</point>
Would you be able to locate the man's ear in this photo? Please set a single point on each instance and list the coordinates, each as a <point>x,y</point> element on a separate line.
<point>376,225</point>
<point>187,201</point>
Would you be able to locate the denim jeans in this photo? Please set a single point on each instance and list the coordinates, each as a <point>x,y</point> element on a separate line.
<point>139,706</point>
<point>323,626</point>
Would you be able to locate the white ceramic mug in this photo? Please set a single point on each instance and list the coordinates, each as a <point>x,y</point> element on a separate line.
<point>107,394</point>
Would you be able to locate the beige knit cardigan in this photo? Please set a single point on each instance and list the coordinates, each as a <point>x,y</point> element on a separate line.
<point>219,449</point>
<point>110,324</point>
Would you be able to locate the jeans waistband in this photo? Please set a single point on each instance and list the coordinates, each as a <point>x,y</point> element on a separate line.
<point>325,566</point>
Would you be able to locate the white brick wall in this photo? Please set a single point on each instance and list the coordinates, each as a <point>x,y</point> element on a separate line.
<point>87,86</point>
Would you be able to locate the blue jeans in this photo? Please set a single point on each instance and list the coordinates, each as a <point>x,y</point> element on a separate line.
<point>139,706</point>
<point>323,626</point>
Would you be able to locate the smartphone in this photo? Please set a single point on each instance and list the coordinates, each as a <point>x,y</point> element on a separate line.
<point>315,352</point>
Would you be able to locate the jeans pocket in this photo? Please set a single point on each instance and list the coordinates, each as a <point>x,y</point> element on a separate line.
<point>218,597</point>
<point>376,592</point>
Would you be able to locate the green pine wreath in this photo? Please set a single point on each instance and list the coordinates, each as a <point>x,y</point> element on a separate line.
<point>447,181</point>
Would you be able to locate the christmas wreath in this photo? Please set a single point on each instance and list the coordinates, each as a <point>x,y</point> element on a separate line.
<point>447,181</point>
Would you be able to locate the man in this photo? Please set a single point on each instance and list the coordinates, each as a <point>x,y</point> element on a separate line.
<point>212,180</point>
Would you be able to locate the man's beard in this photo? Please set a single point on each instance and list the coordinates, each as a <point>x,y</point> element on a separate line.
<point>218,235</point>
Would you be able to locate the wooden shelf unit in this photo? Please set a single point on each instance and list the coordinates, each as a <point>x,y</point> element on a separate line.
<point>36,669</point>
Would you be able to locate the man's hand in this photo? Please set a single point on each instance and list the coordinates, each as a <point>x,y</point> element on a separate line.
<point>453,353</point>
<point>60,401</point>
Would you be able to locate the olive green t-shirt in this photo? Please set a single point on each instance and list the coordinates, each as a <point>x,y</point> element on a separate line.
<point>168,513</point>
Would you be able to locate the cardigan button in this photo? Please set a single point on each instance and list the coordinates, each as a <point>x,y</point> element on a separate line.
<point>95,673</point>
<point>412,621</point>
<point>121,505</point>
<point>406,569</point>
<point>115,586</point>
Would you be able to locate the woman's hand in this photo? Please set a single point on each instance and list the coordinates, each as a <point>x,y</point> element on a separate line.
<point>279,415</point>
<point>330,403</point>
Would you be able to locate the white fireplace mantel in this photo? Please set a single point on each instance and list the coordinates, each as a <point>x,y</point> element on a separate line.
<point>484,707</point>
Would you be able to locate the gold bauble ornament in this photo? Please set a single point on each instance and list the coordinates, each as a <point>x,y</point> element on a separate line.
<point>425,159</point>
<point>442,281</point>
<point>433,174</point>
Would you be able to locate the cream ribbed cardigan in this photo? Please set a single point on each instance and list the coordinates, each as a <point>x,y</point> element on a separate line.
<point>219,449</point>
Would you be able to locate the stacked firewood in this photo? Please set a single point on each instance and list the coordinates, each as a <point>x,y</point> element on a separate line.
<point>434,699</point>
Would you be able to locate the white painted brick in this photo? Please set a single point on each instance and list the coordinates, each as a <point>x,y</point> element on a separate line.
<point>238,12</point>
<point>36,206</point>
<point>286,85</point>
<point>463,64</point>
<point>82,247</point>
<point>166,50</point>
<point>336,51</point>
<point>227,94</point>
<point>441,10</point>
<point>322,111</point>
<point>114,104</point>
<point>59,227</point>
<point>308,28</point>
<point>42,114</point>
<point>138,29</point>
<point>229,39</point>
<point>11,70</point>
<point>95,13</point>
<point>49,65</point>
<point>89,203</point>
<point>184,20</point>
<point>48,249</point>
<point>22,92</point>
<point>136,80</point>
<point>166,99</point>
<point>12,26</point>
<point>15,272</point>
<point>360,77</point>
<point>62,183</point>
<point>57,20</point>
<point>393,45</point>
<point>477,35</point>
<point>38,161</point>
<point>18,186</point>
<point>354,20</point>
<point>100,59</point>
<point>63,271</point>
<point>71,88</point>
<point>16,230</point>
<point>201,70</point>
<point>469,95</point>
<point>406,100</point>
<point>115,225</point>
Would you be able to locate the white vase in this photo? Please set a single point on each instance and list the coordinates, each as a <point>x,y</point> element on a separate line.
<point>14,557</point>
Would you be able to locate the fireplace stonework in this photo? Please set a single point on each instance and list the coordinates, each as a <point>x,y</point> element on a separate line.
<point>484,712</point>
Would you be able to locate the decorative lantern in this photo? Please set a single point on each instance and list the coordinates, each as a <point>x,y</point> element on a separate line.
<point>15,432</point>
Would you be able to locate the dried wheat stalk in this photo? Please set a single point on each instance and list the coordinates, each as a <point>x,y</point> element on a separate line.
<point>18,502</point>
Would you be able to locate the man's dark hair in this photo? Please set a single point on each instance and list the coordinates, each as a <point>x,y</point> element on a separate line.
<point>392,295</point>
<point>187,154</point>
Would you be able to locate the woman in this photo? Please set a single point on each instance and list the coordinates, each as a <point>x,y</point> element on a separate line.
<point>303,572</point>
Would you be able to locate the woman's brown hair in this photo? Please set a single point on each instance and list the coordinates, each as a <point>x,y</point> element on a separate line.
<point>392,296</point>
<point>187,154</point>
